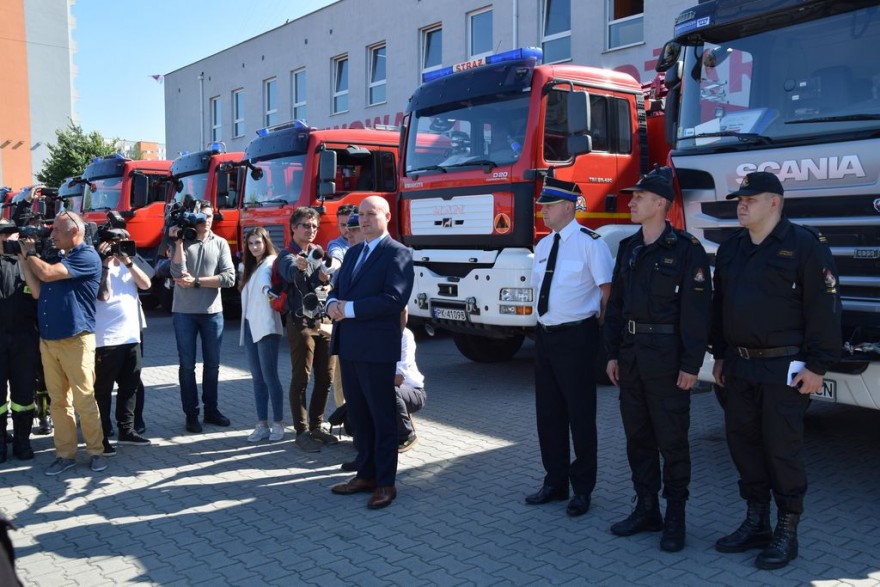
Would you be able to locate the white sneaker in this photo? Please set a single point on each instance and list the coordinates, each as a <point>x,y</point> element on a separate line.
<point>261,432</point>
<point>277,432</point>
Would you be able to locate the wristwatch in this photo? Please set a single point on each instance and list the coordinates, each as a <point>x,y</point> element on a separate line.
<point>197,283</point>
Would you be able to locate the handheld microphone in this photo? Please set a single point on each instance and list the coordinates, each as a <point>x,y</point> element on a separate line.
<point>311,305</point>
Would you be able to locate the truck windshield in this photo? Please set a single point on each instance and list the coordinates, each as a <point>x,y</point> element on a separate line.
<point>490,133</point>
<point>71,197</point>
<point>105,195</point>
<point>795,84</point>
<point>193,185</point>
<point>280,183</point>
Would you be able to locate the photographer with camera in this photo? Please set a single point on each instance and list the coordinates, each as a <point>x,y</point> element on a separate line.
<point>118,335</point>
<point>201,265</point>
<point>19,348</point>
<point>309,343</point>
<point>67,285</point>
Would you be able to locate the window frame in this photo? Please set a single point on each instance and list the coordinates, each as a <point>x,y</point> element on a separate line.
<point>371,84</point>
<point>238,113</point>
<point>470,32</point>
<point>269,109</point>
<point>296,103</point>
<point>216,113</point>
<point>425,33</point>
<point>612,22</point>
<point>337,95</point>
<point>545,38</point>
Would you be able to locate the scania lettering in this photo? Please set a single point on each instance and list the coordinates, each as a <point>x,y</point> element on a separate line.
<point>788,87</point>
<point>479,140</point>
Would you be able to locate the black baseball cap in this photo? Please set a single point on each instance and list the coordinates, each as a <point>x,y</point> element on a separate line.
<point>353,222</point>
<point>557,190</point>
<point>758,182</point>
<point>658,181</point>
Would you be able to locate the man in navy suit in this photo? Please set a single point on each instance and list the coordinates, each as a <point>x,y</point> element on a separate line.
<point>372,289</point>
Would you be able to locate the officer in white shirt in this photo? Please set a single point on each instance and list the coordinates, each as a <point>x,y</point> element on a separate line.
<point>578,264</point>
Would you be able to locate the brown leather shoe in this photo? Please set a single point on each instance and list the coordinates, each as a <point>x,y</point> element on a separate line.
<point>382,497</point>
<point>354,485</point>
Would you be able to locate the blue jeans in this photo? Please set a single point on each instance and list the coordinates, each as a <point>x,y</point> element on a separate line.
<point>263,360</point>
<point>187,327</point>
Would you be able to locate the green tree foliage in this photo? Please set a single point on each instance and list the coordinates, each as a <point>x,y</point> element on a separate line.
<point>72,153</point>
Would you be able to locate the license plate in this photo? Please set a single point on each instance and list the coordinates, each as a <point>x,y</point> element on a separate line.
<point>829,391</point>
<point>450,314</point>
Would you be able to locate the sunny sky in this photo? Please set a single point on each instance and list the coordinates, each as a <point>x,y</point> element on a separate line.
<point>121,43</point>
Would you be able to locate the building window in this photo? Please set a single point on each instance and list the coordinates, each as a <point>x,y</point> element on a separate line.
<point>340,84</point>
<point>480,32</point>
<point>625,23</point>
<point>270,102</point>
<point>376,85</point>
<point>238,113</point>
<point>216,121</point>
<point>556,42</point>
<point>299,94</point>
<point>432,48</point>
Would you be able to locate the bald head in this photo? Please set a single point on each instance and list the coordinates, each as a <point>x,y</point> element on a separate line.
<point>373,217</point>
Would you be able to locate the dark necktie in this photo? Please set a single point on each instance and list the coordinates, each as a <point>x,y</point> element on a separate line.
<point>361,260</point>
<point>544,296</point>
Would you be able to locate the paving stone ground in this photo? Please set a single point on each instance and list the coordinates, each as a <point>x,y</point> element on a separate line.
<point>213,509</point>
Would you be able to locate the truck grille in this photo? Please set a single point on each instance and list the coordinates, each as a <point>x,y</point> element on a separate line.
<point>276,233</point>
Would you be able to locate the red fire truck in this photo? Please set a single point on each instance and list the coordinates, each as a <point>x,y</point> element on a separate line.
<point>479,138</point>
<point>293,165</point>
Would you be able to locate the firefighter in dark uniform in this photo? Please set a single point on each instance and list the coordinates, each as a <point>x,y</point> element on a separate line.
<point>776,330</point>
<point>577,264</point>
<point>656,333</point>
<point>19,351</point>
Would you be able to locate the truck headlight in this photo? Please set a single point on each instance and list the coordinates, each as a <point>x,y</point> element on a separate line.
<point>516,294</point>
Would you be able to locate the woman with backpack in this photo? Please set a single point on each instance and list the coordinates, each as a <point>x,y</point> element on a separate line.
<point>261,332</point>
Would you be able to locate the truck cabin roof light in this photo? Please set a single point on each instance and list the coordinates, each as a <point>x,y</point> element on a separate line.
<point>217,147</point>
<point>300,124</point>
<point>513,55</point>
<point>182,153</point>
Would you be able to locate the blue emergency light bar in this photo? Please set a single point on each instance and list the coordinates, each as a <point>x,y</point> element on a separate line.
<point>535,53</point>
<point>217,147</point>
<point>284,125</point>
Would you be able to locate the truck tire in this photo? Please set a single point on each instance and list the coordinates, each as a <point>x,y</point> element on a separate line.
<point>487,350</point>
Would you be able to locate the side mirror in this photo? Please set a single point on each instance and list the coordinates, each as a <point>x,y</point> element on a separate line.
<point>326,174</point>
<point>140,191</point>
<point>257,173</point>
<point>579,140</point>
<point>178,186</point>
<point>671,118</point>
<point>669,54</point>
<point>222,184</point>
<point>673,75</point>
<point>92,187</point>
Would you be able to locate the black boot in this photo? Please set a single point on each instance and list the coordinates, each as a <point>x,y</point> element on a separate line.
<point>754,532</point>
<point>22,422</point>
<point>644,518</point>
<point>673,527</point>
<point>784,546</point>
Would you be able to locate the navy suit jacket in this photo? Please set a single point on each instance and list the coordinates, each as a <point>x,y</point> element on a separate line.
<point>380,292</point>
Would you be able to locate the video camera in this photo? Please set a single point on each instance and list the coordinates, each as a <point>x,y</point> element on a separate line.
<point>184,215</point>
<point>40,233</point>
<point>113,232</point>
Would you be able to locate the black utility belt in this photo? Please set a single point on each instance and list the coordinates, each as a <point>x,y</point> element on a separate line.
<point>564,325</point>
<point>634,327</point>
<point>771,353</point>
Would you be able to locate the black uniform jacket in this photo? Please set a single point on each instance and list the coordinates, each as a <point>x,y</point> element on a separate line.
<point>666,282</point>
<point>782,292</point>
<point>18,309</point>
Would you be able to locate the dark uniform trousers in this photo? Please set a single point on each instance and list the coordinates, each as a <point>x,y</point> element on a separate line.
<point>19,362</point>
<point>565,398</point>
<point>765,433</point>
<point>656,417</point>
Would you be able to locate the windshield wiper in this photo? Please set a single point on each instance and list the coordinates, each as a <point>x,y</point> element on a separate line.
<point>744,137</point>
<point>281,201</point>
<point>476,162</point>
<point>100,209</point>
<point>841,118</point>
<point>428,168</point>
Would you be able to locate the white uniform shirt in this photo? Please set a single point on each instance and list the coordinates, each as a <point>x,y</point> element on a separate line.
<point>583,263</point>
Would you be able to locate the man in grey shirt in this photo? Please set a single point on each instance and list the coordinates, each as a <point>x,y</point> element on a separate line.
<point>200,268</point>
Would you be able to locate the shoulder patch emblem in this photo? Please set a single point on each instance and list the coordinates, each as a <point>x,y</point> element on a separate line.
<point>830,280</point>
<point>590,233</point>
<point>699,276</point>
